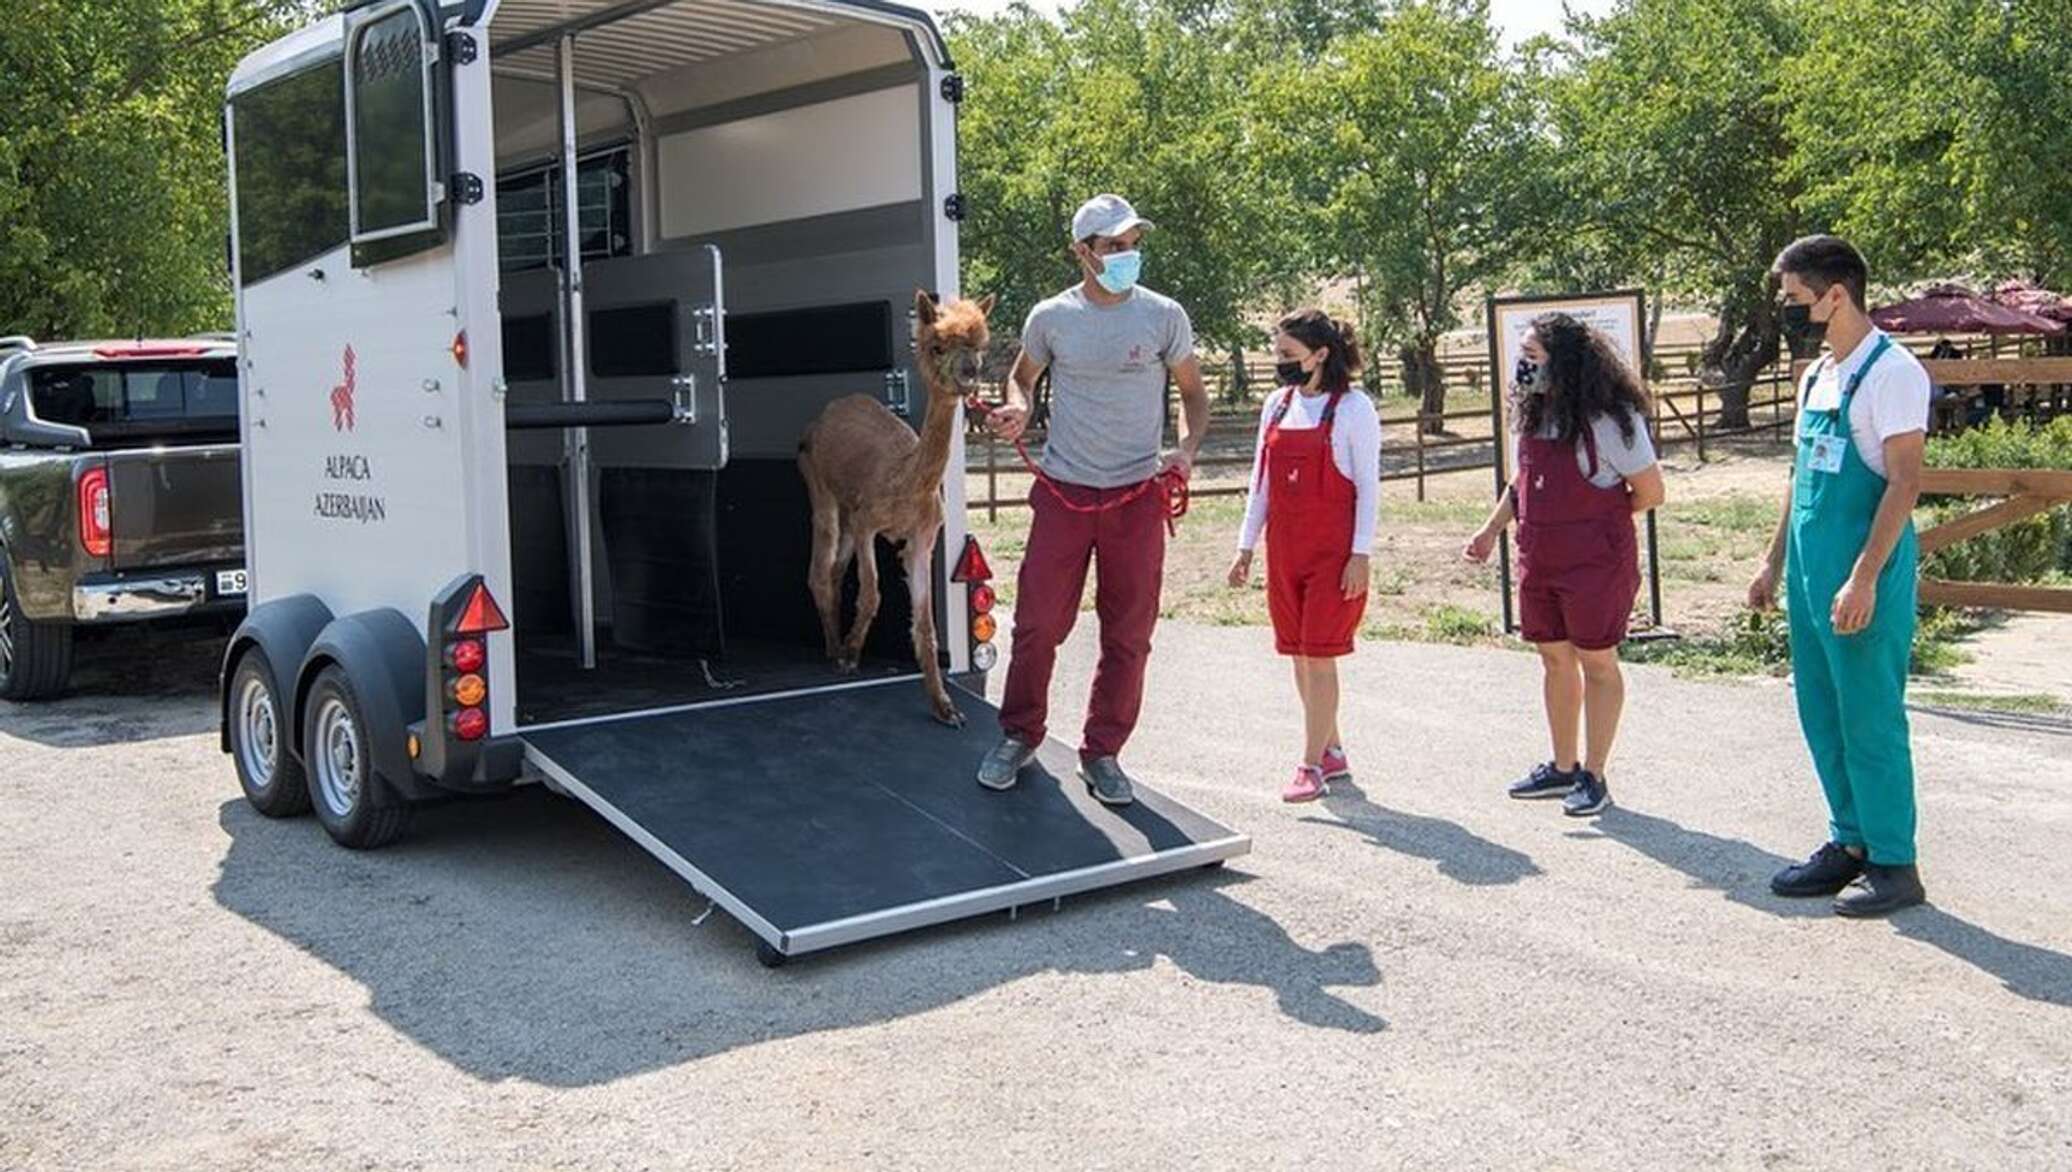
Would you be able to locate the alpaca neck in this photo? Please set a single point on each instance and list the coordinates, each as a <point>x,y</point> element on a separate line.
<point>932,456</point>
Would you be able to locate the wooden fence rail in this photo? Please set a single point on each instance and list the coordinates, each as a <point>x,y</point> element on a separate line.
<point>2027,492</point>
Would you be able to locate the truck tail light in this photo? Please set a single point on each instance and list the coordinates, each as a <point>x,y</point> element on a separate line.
<point>95,536</point>
<point>982,599</point>
<point>973,570</point>
<point>467,664</point>
<point>470,724</point>
<point>971,564</point>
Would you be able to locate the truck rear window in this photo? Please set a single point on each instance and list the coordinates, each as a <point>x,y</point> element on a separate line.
<point>139,401</point>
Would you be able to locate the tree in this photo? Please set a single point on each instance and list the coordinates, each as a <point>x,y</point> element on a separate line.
<point>1141,97</point>
<point>1414,149</point>
<point>112,204</point>
<point>1669,131</point>
<point>1947,150</point>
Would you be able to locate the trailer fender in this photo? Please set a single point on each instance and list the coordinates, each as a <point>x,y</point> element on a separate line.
<point>283,630</point>
<point>382,655</point>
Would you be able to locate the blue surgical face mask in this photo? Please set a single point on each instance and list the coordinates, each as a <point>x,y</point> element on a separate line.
<point>1120,270</point>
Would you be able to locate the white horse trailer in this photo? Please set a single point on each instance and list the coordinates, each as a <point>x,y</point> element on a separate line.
<point>520,493</point>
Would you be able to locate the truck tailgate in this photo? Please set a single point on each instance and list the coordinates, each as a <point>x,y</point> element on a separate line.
<point>175,507</point>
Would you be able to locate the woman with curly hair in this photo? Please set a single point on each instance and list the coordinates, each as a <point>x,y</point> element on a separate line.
<point>1584,467</point>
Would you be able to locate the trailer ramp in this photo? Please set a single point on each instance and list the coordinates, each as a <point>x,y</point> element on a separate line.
<point>823,818</point>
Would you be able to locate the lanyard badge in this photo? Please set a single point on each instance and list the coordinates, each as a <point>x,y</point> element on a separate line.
<point>1826,454</point>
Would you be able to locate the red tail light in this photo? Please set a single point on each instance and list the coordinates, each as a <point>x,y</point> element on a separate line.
<point>150,350</point>
<point>482,615</point>
<point>460,349</point>
<point>470,724</point>
<point>982,599</point>
<point>95,536</point>
<point>468,655</point>
<point>971,565</point>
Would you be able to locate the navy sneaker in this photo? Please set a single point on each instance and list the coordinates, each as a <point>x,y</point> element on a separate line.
<point>1545,781</point>
<point>1831,869</point>
<point>1590,796</point>
<point>1881,890</point>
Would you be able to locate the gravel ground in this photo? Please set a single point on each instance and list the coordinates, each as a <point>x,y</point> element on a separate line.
<point>1415,971</point>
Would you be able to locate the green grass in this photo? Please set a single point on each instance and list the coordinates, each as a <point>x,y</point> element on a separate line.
<point>1447,623</point>
<point>2020,704</point>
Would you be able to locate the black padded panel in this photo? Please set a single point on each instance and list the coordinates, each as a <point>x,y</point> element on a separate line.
<point>658,527</point>
<point>539,554</point>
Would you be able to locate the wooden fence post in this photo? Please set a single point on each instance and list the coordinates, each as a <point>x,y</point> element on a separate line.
<point>1701,421</point>
<point>1418,429</point>
<point>992,477</point>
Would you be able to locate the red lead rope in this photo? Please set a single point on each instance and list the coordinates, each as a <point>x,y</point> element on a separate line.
<point>1172,482</point>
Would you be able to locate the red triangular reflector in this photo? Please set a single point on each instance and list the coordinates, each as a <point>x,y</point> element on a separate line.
<point>972,567</point>
<point>482,615</point>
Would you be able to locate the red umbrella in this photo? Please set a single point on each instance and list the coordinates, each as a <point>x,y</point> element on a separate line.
<point>2034,299</point>
<point>1953,309</point>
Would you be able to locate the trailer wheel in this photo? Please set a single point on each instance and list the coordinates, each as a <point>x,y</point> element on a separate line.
<point>269,774</point>
<point>769,956</point>
<point>35,658</point>
<point>350,798</point>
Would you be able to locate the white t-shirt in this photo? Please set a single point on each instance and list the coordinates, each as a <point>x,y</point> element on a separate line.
<point>1618,458</point>
<point>1355,449</point>
<point>1893,399</point>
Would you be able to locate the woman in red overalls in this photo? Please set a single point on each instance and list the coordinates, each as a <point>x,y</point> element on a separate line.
<point>1585,466</point>
<point>1316,486</point>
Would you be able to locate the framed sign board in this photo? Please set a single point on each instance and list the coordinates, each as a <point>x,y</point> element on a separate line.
<point>1619,314</point>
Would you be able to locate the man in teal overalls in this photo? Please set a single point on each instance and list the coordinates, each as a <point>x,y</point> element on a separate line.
<point>1846,555</point>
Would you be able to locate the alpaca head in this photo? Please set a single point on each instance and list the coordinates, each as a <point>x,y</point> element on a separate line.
<point>951,340</point>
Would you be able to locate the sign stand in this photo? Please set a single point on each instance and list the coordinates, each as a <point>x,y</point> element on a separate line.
<point>1616,313</point>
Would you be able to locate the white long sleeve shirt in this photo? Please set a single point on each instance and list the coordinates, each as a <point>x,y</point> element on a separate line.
<point>1355,449</point>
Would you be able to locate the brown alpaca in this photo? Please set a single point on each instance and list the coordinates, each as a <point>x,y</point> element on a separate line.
<point>871,476</point>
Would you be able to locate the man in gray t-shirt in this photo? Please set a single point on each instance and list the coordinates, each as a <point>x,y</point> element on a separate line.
<point>1110,345</point>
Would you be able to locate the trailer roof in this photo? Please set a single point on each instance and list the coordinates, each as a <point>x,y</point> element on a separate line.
<point>622,41</point>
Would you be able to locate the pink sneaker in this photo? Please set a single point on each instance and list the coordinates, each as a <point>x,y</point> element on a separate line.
<point>1335,766</point>
<point>1308,785</point>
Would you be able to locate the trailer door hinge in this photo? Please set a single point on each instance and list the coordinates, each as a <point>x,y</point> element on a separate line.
<point>956,207</point>
<point>466,187</point>
<point>460,48</point>
<point>953,88</point>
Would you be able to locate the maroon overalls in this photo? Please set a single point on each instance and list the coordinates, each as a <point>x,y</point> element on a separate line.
<point>1309,537</point>
<point>1578,560</point>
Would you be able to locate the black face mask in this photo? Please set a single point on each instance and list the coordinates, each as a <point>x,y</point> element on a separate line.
<point>1526,372</point>
<point>1291,374</point>
<point>1797,321</point>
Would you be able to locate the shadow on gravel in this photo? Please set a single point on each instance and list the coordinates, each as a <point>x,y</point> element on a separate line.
<point>2045,723</point>
<point>128,685</point>
<point>1461,854</point>
<point>1741,872</point>
<point>524,938</point>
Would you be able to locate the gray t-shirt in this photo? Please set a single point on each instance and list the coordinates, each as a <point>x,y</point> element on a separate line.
<point>1616,458</point>
<point>1107,382</point>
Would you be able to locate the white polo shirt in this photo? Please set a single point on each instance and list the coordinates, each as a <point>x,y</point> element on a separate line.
<point>1893,399</point>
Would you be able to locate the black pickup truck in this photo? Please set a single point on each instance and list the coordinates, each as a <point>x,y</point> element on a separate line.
<point>120,498</point>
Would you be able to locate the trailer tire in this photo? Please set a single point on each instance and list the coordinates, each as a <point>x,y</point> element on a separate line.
<point>768,956</point>
<point>35,658</point>
<point>356,806</point>
<point>267,771</point>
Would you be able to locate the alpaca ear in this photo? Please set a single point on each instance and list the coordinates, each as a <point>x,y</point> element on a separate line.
<point>924,307</point>
<point>986,304</point>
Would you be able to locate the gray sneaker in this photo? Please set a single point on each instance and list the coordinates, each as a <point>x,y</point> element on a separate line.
<point>1003,764</point>
<point>1106,781</point>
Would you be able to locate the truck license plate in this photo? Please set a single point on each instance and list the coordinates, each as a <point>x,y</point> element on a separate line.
<point>230,582</point>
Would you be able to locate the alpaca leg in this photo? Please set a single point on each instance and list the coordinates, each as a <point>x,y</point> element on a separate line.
<point>823,572</point>
<point>919,566</point>
<point>866,599</point>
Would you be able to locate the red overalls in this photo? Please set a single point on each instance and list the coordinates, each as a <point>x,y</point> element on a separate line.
<point>1578,561</point>
<point>1309,537</point>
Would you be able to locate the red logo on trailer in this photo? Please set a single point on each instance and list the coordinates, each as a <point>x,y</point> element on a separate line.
<point>342,396</point>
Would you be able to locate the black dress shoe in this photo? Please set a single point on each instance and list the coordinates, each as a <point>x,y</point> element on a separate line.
<point>1881,891</point>
<point>1829,870</point>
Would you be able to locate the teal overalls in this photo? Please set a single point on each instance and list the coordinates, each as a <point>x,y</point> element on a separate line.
<point>1851,688</point>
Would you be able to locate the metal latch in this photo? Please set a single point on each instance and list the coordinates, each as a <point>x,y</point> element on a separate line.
<point>953,88</point>
<point>684,395</point>
<point>705,330</point>
<point>461,48</point>
<point>898,391</point>
<point>466,187</point>
<point>956,207</point>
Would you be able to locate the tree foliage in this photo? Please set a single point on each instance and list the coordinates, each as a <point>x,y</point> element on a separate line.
<point>112,188</point>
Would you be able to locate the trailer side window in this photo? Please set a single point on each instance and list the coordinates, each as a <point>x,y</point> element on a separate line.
<point>393,150</point>
<point>528,212</point>
<point>289,138</point>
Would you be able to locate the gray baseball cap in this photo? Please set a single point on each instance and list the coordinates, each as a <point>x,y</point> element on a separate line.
<point>1106,215</point>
